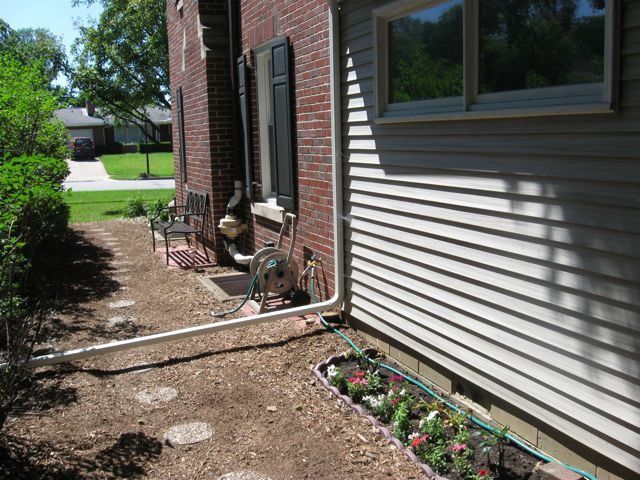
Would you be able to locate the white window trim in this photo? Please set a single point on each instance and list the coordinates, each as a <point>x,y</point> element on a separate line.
<point>263,58</point>
<point>562,100</point>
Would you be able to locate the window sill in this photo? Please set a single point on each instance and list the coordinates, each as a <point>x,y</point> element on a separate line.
<point>268,210</point>
<point>598,108</point>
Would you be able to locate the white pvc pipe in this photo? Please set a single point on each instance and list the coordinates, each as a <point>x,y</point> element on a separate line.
<point>237,195</point>
<point>238,257</point>
<point>333,302</point>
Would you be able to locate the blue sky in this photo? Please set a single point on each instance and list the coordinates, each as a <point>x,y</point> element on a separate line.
<point>57,16</point>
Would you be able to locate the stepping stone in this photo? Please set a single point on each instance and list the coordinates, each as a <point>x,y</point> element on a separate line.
<point>120,262</point>
<point>119,320</point>
<point>188,433</point>
<point>243,476</point>
<point>122,279</point>
<point>112,244</point>
<point>156,395</point>
<point>122,304</point>
<point>124,270</point>
<point>123,288</point>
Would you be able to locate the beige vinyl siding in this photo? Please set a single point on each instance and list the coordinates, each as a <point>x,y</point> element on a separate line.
<point>507,250</point>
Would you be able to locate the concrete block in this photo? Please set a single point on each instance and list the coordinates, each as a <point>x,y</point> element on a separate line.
<point>554,471</point>
<point>554,448</point>
<point>441,380</point>
<point>516,425</point>
<point>603,474</point>
<point>404,358</point>
<point>384,346</point>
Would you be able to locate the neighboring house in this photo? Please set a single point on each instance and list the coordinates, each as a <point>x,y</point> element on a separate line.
<point>491,189</point>
<point>129,133</point>
<point>81,123</point>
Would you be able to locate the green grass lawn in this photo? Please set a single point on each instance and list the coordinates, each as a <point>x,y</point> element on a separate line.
<point>110,204</point>
<point>128,166</point>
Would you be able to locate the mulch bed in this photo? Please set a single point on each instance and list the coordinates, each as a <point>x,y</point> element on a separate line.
<point>104,417</point>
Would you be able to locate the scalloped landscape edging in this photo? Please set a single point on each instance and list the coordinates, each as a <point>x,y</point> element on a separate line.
<point>320,369</point>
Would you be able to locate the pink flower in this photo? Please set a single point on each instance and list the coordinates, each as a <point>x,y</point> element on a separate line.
<point>394,401</point>
<point>459,447</point>
<point>360,374</point>
<point>418,441</point>
<point>358,381</point>
<point>396,378</point>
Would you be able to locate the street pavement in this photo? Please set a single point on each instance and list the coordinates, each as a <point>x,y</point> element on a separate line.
<point>90,176</point>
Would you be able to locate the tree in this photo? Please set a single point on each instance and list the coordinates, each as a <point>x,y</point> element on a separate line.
<point>27,125</point>
<point>122,60</point>
<point>35,46</point>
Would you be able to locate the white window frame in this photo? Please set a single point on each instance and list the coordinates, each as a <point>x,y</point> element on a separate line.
<point>263,90</point>
<point>566,99</point>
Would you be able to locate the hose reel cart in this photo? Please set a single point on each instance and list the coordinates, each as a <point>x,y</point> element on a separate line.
<point>277,273</point>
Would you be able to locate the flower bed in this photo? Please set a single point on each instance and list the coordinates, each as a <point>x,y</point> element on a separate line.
<point>441,441</point>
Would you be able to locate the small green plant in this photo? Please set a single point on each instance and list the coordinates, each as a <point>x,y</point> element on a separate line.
<point>337,378</point>
<point>135,208</point>
<point>435,455</point>
<point>497,439</point>
<point>357,386</point>
<point>400,418</point>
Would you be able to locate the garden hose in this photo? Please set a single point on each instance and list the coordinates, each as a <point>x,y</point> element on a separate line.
<point>480,423</point>
<point>246,297</point>
<point>271,264</point>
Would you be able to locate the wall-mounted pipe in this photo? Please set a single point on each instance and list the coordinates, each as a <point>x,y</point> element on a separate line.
<point>237,196</point>
<point>238,257</point>
<point>335,301</point>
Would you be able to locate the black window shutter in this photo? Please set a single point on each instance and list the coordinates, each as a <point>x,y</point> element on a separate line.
<point>245,121</point>
<point>282,132</point>
<point>181,145</point>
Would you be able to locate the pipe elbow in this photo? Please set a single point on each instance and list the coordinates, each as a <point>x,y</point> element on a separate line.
<point>238,257</point>
<point>237,196</point>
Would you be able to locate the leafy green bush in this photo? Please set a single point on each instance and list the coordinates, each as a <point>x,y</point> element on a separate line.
<point>140,207</point>
<point>31,211</point>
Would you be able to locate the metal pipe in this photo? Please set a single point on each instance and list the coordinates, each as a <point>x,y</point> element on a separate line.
<point>335,301</point>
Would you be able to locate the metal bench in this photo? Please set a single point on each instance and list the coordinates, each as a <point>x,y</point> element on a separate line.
<point>186,220</point>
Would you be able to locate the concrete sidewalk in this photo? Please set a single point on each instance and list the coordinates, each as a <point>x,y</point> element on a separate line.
<point>90,176</point>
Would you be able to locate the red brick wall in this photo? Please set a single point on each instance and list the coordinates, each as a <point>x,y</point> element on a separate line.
<point>208,117</point>
<point>206,91</point>
<point>306,23</point>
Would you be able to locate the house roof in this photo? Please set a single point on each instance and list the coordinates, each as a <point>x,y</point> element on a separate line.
<point>158,115</point>
<point>77,117</point>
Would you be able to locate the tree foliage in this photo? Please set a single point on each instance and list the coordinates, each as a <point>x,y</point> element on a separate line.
<point>122,59</point>
<point>27,124</point>
<point>35,46</point>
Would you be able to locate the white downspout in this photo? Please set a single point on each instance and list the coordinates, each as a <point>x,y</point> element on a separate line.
<point>335,301</point>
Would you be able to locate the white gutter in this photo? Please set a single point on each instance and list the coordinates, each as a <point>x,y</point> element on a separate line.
<point>333,302</point>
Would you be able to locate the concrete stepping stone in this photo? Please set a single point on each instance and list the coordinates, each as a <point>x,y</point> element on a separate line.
<point>123,270</point>
<point>188,433</point>
<point>122,304</point>
<point>156,395</point>
<point>243,476</point>
<point>119,320</point>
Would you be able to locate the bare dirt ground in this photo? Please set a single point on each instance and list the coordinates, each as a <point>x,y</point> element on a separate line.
<point>107,416</point>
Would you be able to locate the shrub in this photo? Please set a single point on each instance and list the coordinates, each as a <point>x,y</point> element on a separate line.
<point>140,207</point>
<point>31,211</point>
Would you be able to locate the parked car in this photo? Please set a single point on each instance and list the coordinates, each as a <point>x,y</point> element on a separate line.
<point>82,147</point>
